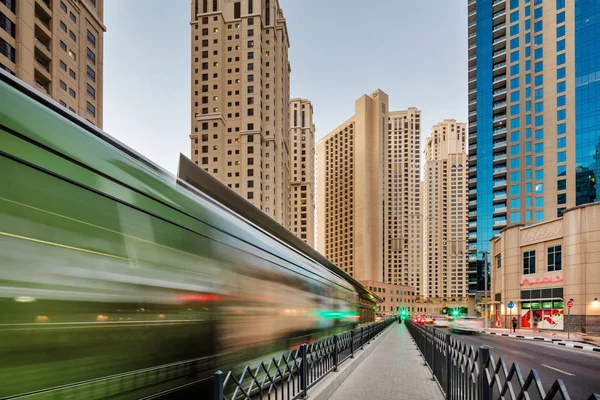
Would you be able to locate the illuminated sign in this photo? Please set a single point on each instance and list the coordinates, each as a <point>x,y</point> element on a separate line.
<point>556,279</point>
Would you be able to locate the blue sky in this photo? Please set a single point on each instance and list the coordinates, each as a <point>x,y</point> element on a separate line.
<point>415,51</point>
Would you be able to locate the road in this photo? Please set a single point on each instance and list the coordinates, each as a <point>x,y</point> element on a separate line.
<point>579,370</point>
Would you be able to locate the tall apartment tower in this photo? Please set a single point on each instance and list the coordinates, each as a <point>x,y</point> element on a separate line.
<point>445,211</point>
<point>302,169</point>
<point>402,213</point>
<point>240,99</point>
<point>534,138</point>
<point>351,167</point>
<point>56,46</point>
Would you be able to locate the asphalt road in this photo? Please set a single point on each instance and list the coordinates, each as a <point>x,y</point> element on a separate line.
<point>579,370</point>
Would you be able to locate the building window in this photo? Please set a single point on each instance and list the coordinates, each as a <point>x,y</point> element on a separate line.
<point>93,2</point>
<point>498,261</point>
<point>91,38</point>
<point>63,85</point>
<point>91,74</point>
<point>72,36</point>
<point>529,262</point>
<point>91,56</point>
<point>63,66</point>
<point>63,26</point>
<point>555,258</point>
<point>63,46</point>
<point>91,91</point>
<point>72,93</point>
<point>73,17</point>
<point>91,109</point>
<point>63,6</point>
<point>237,10</point>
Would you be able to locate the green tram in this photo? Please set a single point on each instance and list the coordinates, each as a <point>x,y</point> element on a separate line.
<point>117,280</point>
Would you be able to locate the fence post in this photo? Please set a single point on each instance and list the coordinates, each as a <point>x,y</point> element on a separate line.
<point>303,371</point>
<point>448,368</point>
<point>484,387</point>
<point>433,354</point>
<point>335,352</point>
<point>218,385</point>
<point>362,338</point>
<point>352,343</point>
<point>425,352</point>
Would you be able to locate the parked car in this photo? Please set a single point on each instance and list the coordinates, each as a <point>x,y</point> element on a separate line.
<point>466,324</point>
<point>441,322</point>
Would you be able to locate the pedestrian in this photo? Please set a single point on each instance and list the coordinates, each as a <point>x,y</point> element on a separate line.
<point>514,324</point>
<point>535,322</point>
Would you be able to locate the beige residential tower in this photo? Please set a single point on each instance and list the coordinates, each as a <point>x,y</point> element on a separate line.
<point>302,169</point>
<point>57,47</point>
<point>240,99</point>
<point>445,209</point>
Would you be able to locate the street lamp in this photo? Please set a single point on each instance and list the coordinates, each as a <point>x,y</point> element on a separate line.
<point>485,294</point>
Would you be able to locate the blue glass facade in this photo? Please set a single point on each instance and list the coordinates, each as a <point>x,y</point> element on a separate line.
<point>587,100</point>
<point>485,131</point>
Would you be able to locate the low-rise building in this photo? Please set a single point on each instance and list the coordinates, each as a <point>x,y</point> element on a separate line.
<point>395,297</point>
<point>539,268</point>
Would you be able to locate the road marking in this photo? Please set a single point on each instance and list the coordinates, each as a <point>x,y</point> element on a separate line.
<point>559,370</point>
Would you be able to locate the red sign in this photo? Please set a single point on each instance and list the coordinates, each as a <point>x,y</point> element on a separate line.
<point>570,303</point>
<point>526,281</point>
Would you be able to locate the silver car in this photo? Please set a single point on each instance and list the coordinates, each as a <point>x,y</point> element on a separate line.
<point>441,322</point>
<point>466,324</point>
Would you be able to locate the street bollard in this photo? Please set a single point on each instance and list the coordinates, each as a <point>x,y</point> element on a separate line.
<point>352,344</point>
<point>335,352</point>
<point>218,379</point>
<point>448,368</point>
<point>303,371</point>
<point>484,387</point>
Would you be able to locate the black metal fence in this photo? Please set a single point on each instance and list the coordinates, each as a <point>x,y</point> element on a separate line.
<point>466,372</point>
<point>290,375</point>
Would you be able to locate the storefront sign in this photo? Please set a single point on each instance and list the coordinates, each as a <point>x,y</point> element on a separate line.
<point>556,279</point>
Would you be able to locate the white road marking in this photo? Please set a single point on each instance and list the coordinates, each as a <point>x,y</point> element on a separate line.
<point>559,370</point>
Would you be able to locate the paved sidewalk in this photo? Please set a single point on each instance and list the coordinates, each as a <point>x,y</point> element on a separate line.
<point>394,370</point>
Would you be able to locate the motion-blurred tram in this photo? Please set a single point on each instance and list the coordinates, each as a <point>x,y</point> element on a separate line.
<point>109,265</point>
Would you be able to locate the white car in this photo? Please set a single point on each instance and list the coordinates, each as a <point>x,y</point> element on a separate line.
<point>441,322</point>
<point>466,324</point>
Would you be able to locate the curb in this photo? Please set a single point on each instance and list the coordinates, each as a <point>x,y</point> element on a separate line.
<point>559,342</point>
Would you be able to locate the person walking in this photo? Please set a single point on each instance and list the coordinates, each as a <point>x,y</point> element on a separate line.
<point>535,321</point>
<point>514,324</point>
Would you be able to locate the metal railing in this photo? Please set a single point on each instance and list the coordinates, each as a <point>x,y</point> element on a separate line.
<point>291,374</point>
<point>467,372</point>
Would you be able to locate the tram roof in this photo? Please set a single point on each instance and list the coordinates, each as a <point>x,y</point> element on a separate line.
<point>196,176</point>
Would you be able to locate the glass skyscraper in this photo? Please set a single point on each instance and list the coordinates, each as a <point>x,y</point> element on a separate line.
<point>534,114</point>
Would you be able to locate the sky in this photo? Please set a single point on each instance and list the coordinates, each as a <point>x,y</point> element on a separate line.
<point>415,51</point>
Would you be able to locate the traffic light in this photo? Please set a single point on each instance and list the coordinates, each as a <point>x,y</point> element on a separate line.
<point>403,313</point>
<point>456,312</point>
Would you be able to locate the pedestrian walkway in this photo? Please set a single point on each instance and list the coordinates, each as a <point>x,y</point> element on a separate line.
<point>394,370</point>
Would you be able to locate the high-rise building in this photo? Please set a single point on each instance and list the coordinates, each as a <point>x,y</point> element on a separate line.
<point>351,169</point>
<point>368,194</point>
<point>402,214</point>
<point>57,47</point>
<point>445,211</point>
<point>240,99</point>
<point>533,101</point>
<point>302,169</point>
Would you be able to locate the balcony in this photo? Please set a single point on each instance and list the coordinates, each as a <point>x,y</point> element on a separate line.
<point>499,66</point>
<point>499,27</point>
<point>498,2</point>
<point>499,14</point>
<point>472,191</point>
<point>499,132</point>
<point>500,157</point>
<point>473,68</point>
<point>473,224</point>
<point>472,135</point>
<point>499,53</point>
<point>472,236</point>
<point>499,78</point>
<point>473,247</point>
<point>498,196</point>
<point>472,24</point>
<point>473,91</point>
<point>473,147</point>
<point>499,104</point>
<point>472,203</point>
<point>473,180</point>
<point>472,13</point>
<point>500,144</point>
<point>501,222</point>
<point>499,92</point>
<point>472,58</point>
<point>472,213</point>
<point>472,124</point>
<point>500,171</point>
<point>500,118</point>
<point>472,35</point>
<point>499,210</point>
<point>472,169</point>
<point>473,113</point>
<point>500,39</point>
<point>500,184</point>
<point>473,102</point>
